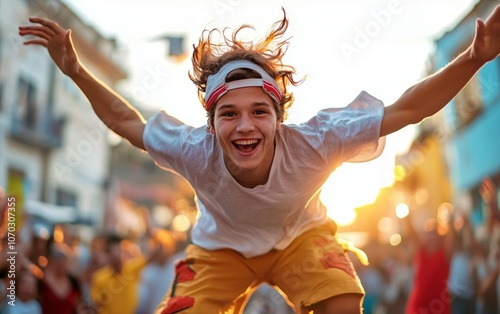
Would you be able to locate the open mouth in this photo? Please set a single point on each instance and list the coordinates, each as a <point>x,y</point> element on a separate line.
<point>246,146</point>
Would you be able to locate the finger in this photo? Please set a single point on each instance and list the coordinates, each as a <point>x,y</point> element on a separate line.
<point>37,28</point>
<point>36,33</point>
<point>36,42</point>
<point>48,23</point>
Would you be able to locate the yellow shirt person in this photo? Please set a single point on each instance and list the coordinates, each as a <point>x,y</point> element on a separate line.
<point>114,288</point>
<point>117,292</point>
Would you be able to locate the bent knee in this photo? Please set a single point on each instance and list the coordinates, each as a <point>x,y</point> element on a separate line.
<point>341,304</point>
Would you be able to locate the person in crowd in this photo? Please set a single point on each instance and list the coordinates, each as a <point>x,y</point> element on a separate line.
<point>463,280</point>
<point>432,257</point>
<point>158,275</point>
<point>114,288</point>
<point>98,259</point>
<point>60,292</point>
<point>489,270</point>
<point>399,276</point>
<point>26,301</point>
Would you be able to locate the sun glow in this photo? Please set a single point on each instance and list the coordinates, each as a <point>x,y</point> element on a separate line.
<point>342,216</point>
<point>352,186</point>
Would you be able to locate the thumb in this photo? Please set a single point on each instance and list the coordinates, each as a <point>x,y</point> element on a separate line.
<point>67,39</point>
<point>480,40</point>
<point>480,30</point>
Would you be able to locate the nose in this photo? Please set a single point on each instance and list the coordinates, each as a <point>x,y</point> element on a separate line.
<point>245,124</point>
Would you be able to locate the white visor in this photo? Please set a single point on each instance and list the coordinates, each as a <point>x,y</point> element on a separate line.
<point>217,85</point>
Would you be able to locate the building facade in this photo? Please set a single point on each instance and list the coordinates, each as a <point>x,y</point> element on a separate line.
<point>471,130</point>
<point>53,148</point>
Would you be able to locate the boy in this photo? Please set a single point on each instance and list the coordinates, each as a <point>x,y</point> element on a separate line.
<point>256,179</point>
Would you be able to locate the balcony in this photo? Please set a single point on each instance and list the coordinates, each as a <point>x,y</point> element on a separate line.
<point>48,136</point>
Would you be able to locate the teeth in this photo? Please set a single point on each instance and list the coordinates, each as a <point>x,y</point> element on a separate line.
<point>246,142</point>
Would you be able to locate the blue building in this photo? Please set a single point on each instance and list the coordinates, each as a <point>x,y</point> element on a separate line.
<point>472,120</point>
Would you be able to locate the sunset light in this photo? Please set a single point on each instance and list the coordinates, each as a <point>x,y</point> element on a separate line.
<point>250,156</point>
<point>348,188</point>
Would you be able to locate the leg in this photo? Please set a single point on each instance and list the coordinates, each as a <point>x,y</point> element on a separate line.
<point>315,273</point>
<point>341,304</point>
<point>208,282</point>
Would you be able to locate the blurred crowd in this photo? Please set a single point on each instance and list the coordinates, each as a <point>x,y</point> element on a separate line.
<point>61,273</point>
<point>441,267</point>
<point>438,268</point>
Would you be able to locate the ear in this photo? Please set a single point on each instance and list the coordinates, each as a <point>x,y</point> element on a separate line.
<point>278,125</point>
<point>212,130</point>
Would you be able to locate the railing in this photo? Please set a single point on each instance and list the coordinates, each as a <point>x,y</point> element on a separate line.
<point>51,136</point>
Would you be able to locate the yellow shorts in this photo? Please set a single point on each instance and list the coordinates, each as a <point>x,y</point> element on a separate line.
<point>314,267</point>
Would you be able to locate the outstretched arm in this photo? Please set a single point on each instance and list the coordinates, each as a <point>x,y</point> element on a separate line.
<point>110,107</point>
<point>433,93</point>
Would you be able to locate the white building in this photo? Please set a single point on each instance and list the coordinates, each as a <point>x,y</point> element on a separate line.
<point>53,148</point>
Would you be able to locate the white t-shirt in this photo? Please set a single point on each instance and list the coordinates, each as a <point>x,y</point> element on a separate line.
<point>256,220</point>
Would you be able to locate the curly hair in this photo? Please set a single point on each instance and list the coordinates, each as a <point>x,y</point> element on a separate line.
<point>208,57</point>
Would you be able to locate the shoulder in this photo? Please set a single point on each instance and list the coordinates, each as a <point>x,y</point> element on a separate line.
<point>101,274</point>
<point>164,121</point>
<point>167,130</point>
<point>172,143</point>
<point>136,264</point>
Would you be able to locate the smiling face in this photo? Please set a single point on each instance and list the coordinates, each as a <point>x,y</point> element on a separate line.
<point>245,125</point>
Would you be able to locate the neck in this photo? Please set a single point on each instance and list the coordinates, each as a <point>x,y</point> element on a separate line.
<point>250,178</point>
<point>117,268</point>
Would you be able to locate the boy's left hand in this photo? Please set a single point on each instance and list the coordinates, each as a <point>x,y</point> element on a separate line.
<point>486,44</point>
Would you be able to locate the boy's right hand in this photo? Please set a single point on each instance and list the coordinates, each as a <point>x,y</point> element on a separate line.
<point>57,41</point>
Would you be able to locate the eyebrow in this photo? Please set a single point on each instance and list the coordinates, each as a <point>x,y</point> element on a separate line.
<point>256,104</point>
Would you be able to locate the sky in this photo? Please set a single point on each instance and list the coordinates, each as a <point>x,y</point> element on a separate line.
<point>342,47</point>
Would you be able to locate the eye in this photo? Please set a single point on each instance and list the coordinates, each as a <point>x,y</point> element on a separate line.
<point>228,114</point>
<point>258,112</point>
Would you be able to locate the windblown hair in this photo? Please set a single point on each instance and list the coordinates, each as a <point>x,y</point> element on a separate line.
<point>208,57</point>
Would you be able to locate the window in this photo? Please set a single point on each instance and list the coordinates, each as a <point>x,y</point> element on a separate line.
<point>26,110</point>
<point>65,198</point>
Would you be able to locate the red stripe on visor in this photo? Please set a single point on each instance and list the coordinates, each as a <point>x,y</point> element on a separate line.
<point>215,96</point>
<point>270,88</point>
